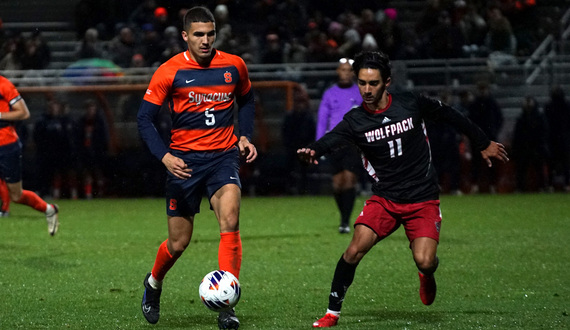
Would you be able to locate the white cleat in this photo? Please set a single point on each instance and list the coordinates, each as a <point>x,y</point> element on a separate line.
<point>52,220</point>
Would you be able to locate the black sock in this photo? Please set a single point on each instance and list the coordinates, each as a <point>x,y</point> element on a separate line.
<point>343,276</point>
<point>347,198</point>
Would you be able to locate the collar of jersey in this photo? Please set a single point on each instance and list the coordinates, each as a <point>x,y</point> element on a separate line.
<point>379,110</point>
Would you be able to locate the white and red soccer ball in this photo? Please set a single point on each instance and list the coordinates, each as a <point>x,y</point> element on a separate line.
<point>219,290</point>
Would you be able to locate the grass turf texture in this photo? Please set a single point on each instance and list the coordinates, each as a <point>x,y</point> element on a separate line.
<point>504,264</point>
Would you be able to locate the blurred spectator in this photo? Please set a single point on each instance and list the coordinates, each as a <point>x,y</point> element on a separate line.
<point>390,39</point>
<point>444,40</point>
<point>474,28</point>
<point>486,113</point>
<point>144,13</point>
<point>298,130</point>
<point>171,44</point>
<point>54,140</point>
<point>295,52</point>
<point>429,18</point>
<point>160,20</point>
<point>530,146</point>
<point>36,54</point>
<point>557,112</point>
<point>122,47</point>
<point>293,17</point>
<point>13,50</point>
<point>91,46</point>
<point>500,37</point>
<point>151,45</point>
<point>273,49</point>
<point>368,25</point>
<point>93,142</point>
<point>223,28</point>
<point>444,142</point>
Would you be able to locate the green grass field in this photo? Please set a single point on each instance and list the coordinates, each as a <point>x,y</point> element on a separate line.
<point>505,264</point>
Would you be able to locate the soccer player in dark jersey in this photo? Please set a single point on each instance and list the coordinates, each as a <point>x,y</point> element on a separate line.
<point>389,130</point>
<point>201,87</point>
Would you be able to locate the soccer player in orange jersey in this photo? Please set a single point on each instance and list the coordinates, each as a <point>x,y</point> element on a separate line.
<point>201,87</point>
<point>13,108</point>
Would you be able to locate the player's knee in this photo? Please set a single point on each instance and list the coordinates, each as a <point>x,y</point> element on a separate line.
<point>427,264</point>
<point>353,255</point>
<point>177,246</point>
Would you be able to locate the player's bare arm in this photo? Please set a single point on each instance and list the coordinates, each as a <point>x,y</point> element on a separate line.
<point>247,149</point>
<point>307,155</point>
<point>495,150</point>
<point>19,111</point>
<point>176,166</point>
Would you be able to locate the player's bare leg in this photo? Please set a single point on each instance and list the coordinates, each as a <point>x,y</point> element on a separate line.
<point>226,204</point>
<point>363,240</point>
<point>424,250</point>
<point>179,234</point>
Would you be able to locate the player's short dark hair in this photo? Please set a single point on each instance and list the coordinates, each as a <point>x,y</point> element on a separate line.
<point>198,14</point>
<point>373,60</point>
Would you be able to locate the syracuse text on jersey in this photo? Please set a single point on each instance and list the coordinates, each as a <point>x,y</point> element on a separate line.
<point>210,97</point>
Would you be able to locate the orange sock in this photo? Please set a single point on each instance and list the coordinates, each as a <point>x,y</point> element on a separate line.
<point>163,262</point>
<point>229,252</point>
<point>4,196</point>
<point>31,199</point>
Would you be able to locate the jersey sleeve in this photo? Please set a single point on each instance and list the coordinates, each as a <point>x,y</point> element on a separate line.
<point>338,137</point>
<point>8,92</point>
<point>436,110</point>
<point>159,86</point>
<point>244,85</point>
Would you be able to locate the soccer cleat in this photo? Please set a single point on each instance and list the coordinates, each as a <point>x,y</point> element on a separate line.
<point>4,214</point>
<point>428,288</point>
<point>52,220</point>
<point>150,302</point>
<point>327,321</point>
<point>344,229</point>
<point>228,320</point>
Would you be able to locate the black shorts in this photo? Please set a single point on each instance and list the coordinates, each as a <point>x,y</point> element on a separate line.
<point>210,171</point>
<point>11,163</point>
<point>346,158</point>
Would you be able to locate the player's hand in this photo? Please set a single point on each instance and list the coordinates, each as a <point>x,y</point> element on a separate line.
<point>307,155</point>
<point>247,149</point>
<point>495,150</point>
<point>176,166</point>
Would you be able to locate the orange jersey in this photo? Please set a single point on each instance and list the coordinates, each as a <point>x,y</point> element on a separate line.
<point>8,97</point>
<point>201,100</point>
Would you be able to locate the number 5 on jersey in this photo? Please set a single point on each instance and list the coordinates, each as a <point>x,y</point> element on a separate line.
<point>210,118</point>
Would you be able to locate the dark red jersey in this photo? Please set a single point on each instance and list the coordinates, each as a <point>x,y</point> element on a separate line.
<point>395,145</point>
<point>201,99</point>
<point>8,97</point>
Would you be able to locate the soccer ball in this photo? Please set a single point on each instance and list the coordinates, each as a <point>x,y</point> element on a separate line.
<point>219,290</point>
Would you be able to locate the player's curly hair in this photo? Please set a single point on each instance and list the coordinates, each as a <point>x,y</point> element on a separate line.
<point>373,60</point>
<point>198,14</point>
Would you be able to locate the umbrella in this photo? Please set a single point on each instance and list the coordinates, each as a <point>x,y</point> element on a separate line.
<point>92,70</point>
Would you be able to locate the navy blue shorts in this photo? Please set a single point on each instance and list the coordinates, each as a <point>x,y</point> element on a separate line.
<point>210,171</point>
<point>11,163</point>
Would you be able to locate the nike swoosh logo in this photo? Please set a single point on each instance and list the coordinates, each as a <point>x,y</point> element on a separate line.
<point>233,178</point>
<point>189,81</point>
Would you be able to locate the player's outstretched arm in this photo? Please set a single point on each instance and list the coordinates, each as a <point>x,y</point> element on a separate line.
<point>247,149</point>
<point>176,166</point>
<point>495,150</point>
<point>307,155</point>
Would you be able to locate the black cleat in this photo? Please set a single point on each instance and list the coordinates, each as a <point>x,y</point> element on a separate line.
<point>228,320</point>
<point>151,302</point>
